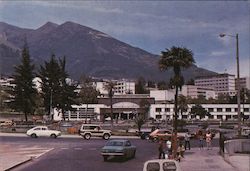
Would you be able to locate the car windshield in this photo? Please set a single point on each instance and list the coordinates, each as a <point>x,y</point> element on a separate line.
<point>115,143</point>
<point>169,166</point>
<point>153,166</point>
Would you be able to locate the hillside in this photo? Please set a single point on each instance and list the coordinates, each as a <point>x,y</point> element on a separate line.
<point>87,51</point>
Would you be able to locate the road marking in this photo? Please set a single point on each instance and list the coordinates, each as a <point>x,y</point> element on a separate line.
<point>64,148</point>
<point>78,148</point>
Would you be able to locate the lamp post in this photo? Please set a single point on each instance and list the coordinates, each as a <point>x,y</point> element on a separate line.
<point>238,78</point>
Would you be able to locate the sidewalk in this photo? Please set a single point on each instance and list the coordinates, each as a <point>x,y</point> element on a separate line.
<point>205,160</point>
<point>243,165</point>
<point>10,161</point>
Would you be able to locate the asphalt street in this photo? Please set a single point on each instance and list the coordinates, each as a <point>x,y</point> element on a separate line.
<point>78,154</point>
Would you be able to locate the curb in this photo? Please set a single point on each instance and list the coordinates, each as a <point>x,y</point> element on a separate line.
<point>18,164</point>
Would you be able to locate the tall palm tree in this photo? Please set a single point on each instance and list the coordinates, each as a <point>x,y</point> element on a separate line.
<point>110,88</point>
<point>176,58</point>
<point>183,104</point>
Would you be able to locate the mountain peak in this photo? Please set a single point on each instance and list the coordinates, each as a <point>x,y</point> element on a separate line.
<point>47,27</point>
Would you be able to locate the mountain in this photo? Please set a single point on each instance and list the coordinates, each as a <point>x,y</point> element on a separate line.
<point>87,51</point>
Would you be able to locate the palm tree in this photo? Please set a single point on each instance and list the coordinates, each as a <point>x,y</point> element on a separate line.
<point>176,58</point>
<point>110,87</point>
<point>183,104</point>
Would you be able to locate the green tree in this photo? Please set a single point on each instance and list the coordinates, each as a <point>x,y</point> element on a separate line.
<point>162,85</point>
<point>67,95</point>
<point>144,106</point>
<point>176,58</point>
<point>24,92</point>
<point>198,110</point>
<point>140,121</point>
<point>56,91</point>
<point>88,94</point>
<point>140,86</point>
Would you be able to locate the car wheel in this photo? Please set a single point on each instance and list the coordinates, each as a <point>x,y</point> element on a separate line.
<point>33,135</point>
<point>87,136</point>
<point>105,158</point>
<point>53,135</point>
<point>106,136</point>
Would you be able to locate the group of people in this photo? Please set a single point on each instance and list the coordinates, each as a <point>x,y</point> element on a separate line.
<point>207,136</point>
<point>165,147</point>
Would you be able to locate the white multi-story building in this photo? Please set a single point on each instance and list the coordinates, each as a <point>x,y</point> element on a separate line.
<point>187,90</point>
<point>162,95</point>
<point>195,91</point>
<point>121,87</point>
<point>244,83</point>
<point>221,83</point>
<point>7,82</point>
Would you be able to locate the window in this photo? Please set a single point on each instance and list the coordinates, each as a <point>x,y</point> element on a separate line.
<point>158,109</point>
<point>228,109</point>
<point>210,109</point>
<point>167,109</point>
<point>246,109</point>
<point>158,116</point>
<point>219,109</point>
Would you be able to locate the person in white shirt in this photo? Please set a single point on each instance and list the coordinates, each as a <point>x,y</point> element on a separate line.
<point>187,140</point>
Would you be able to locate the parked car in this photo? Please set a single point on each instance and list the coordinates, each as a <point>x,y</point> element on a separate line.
<point>121,148</point>
<point>245,131</point>
<point>91,130</point>
<point>7,123</point>
<point>40,131</point>
<point>163,134</point>
<point>161,165</point>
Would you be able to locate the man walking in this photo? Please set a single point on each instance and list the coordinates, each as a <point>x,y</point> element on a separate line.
<point>161,148</point>
<point>187,140</point>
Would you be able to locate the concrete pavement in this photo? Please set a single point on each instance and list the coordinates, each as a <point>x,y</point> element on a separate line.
<point>207,160</point>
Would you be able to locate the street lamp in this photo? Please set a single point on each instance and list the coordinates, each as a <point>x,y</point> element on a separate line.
<point>238,78</point>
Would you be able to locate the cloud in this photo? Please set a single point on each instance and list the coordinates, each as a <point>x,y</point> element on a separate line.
<point>218,53</point>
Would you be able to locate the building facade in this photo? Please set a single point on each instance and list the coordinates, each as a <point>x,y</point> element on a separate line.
<point>221,83</point>
<point>121,87</point>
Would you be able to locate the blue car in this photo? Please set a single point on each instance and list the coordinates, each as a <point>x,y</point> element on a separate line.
<point>121,148</point>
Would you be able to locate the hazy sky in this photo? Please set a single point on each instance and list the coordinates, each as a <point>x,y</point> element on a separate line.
<point>152,25</point>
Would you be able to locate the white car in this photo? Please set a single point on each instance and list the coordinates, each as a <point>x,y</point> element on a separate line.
<point>40,131</point>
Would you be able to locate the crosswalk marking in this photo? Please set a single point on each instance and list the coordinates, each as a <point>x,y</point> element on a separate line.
<point>32,151</point>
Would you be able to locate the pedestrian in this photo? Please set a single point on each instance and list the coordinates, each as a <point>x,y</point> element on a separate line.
<point>180,152</point>
<point>169,147</point>
<point>161,148</point>
<point>208,140</point>
<point>201,139</point>
<point>187,140</point>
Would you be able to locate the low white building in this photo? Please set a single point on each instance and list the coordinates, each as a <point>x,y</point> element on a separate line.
<point>217,111</point>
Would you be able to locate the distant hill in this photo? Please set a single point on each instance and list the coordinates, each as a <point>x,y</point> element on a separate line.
<point>87,51</point>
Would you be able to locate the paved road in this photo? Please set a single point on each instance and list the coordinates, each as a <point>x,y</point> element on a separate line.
<point>76,154</point>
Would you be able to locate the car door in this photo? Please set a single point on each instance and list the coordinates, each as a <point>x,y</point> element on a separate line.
<point>129,149</point>
<point>96,131</point>
<point>44,131</point>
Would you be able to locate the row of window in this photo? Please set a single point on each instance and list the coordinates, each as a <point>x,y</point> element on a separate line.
<point>209,109</point>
